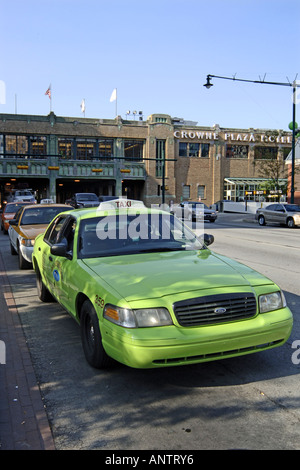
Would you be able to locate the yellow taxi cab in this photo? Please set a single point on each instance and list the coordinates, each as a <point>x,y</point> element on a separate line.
<point>29,221</point>
<point>9,212</point>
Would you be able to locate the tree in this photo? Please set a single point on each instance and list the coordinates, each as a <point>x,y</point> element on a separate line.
<point>274,170</point>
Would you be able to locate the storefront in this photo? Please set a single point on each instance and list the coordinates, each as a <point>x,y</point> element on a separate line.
<point>254,189</point>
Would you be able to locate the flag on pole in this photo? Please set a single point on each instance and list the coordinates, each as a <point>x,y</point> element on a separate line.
<point>113,95</point>
<point>82,106</point>
<point>48,92</point>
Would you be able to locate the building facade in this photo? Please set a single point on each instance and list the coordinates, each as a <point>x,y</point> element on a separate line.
<point>160,159</point>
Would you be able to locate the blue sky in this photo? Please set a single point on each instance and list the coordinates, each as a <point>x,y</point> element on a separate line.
<point>156,53</point>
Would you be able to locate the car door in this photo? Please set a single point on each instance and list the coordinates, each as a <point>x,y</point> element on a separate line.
<point>269,213</point>
<point>51,237</point>
<point>63,268</point>
<point>279,214</point>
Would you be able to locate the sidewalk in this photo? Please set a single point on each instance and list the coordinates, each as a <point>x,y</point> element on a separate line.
<point>23,420</point>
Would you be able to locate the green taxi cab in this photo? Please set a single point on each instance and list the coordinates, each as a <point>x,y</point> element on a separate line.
<point>148,293</point>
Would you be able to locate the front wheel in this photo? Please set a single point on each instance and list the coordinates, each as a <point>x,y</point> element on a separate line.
<point>290,222</point>
<point>23,263</point>
<point>261,220</point>
<point>91,338</point>
<point>12,250</point>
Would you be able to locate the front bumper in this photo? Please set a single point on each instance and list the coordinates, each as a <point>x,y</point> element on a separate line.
<point>26,252</point>
<point>173,345</point>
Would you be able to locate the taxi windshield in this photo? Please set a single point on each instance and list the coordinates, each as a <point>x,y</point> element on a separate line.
<point>41,215</point>
<point>132,234</point>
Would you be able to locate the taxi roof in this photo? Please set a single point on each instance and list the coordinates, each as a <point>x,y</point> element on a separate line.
<point>111,207</point>
<point>44,205</point>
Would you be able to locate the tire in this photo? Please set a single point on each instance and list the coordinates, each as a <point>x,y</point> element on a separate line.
<point>261,220</point>
<point>12,250</point>
<point>23,263</point>
<point>290,222</point>
<point>91,338</point>
<point>43,293</point>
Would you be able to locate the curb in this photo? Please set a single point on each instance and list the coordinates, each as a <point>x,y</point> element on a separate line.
<point>23,420</point>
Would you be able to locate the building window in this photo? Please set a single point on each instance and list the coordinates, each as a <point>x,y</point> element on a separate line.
<point>265,153</point>
<point>204,150</point>
<point>38,145</point>
<point>237,151</point>
<point>106,148</point>
<point>191,149</point>
<point>65,147</point>
<point>182,149</point>
<point>133,149</point>
<point>16,144</point>
<point>1,144</point>
<point>186,190</point>
<point>201,192</point>
<point>160,156</point>
<point>85,149</point>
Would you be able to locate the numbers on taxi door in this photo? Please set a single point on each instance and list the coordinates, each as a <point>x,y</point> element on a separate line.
<point>99,301</point>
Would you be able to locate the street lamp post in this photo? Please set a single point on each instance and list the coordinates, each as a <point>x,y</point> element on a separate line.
<point>294,85</point>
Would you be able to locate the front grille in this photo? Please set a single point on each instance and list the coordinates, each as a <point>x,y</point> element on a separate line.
<point>214,309</point>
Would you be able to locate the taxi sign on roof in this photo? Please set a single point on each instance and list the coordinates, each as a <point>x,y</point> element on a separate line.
<point>120,204</point>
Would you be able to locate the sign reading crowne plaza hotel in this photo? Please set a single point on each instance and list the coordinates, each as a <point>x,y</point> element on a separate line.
<point>233,136</point>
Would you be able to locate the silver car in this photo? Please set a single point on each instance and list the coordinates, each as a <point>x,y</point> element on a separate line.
<point>285,214</point>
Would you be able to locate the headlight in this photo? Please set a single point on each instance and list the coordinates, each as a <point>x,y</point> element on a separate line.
<point>27,242</point>
<point>269,302</point>
<point>141,318</point>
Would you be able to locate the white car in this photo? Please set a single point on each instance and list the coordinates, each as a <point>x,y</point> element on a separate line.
<point>23,195</point>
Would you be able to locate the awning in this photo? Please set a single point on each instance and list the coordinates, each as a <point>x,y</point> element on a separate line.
<point>254,181</point>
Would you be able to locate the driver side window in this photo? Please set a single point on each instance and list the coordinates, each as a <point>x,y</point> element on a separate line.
<point>52,234</point>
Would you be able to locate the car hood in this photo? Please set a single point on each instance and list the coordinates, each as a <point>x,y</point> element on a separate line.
<point>152,275</point>
<point>32,231</point>
<point>88,203</point>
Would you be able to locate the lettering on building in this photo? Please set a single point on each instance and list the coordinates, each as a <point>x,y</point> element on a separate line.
<point>233,136</point>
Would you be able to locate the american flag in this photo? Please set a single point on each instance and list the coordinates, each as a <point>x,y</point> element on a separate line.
<point>48,92</point>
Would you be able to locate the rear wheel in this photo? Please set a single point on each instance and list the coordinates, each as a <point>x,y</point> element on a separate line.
<point>261,220</point>
<point>43,293</point>
<point>91,338</point>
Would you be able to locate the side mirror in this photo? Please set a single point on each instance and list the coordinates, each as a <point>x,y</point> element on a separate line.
<point>13,222</point>
<point>208,239</point>
<point>60,249</point>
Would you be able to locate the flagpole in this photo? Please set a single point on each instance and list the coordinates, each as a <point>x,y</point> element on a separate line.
<point>116,102</point>
<point>50,96</point>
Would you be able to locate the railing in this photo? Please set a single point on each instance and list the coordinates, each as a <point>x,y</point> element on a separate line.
<point>41,166</point>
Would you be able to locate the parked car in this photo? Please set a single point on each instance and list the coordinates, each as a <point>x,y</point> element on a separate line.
<point>29,221</point>
<point>9,212</point>
<point>194,211</point>
<point>147,292</point>
<point>80,200</point>
<point>24,195</point>
<point>285,214</point>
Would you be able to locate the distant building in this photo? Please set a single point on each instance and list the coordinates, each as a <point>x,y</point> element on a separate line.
<point>143,159</point>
